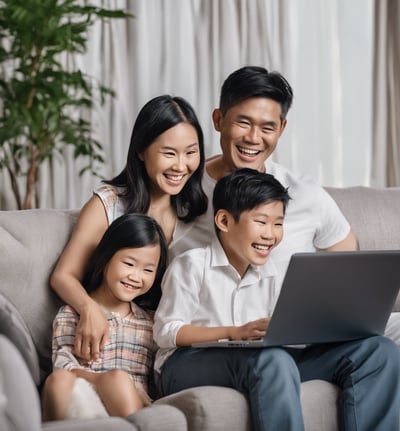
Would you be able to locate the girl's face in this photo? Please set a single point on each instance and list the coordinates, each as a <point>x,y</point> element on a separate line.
<point>131,272</point>
<point>172,159</point>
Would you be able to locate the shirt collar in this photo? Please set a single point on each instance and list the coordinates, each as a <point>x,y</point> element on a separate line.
<point>219,258</point>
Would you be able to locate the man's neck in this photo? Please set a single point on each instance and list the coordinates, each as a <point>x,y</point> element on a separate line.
<point>216,167</point>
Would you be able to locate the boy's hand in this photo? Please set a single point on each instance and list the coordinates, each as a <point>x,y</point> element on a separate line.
<point>251,331</point>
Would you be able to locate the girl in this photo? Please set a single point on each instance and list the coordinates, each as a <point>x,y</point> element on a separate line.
<point>161,178</point>
<point>127,265</point>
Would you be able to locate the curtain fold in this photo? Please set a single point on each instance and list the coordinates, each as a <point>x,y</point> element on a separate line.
<point>188,47</point>
<point>386,95</point>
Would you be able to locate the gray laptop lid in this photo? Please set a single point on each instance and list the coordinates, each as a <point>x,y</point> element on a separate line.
<point>331,296</point>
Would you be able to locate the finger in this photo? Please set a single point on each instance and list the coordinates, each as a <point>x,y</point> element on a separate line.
<point>95,350</point>
<point>78,345</point>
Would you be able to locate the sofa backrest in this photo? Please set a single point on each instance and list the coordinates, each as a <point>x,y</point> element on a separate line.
<point>30,243</point>
<point>373,213</point>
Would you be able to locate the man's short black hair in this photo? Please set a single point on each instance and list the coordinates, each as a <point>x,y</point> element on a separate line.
<point>255,81</point>
<point>245,189</point>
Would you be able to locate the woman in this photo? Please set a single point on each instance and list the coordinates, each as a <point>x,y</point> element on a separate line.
<point>161,178</point>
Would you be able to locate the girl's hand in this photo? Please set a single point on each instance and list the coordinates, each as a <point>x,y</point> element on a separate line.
<point>91,333</point>
<point>251,331</point>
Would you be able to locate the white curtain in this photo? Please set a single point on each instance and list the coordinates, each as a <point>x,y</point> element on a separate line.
<point>188,47</point>
<point>386,95</point>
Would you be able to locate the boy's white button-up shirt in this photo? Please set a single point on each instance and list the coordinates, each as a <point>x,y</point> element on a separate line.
<point>201,288</point>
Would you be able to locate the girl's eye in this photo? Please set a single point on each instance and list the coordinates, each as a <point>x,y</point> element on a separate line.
<point>150,271</point>
<point>128,263</point>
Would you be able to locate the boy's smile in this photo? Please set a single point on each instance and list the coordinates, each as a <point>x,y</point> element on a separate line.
<point>250,240</point>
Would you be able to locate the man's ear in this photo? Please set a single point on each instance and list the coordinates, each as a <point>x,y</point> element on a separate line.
<point>222,220</point>
<point>217,117</point>
<point>283,127</point>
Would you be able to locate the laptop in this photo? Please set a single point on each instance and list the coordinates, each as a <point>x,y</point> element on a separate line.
<point>330,297</point>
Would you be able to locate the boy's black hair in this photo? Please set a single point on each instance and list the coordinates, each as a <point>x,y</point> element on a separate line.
<point>245,189</point>
<point>255,81</point>
<point>128,231</point>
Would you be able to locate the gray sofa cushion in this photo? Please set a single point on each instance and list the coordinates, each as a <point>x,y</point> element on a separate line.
<point>373,215</point>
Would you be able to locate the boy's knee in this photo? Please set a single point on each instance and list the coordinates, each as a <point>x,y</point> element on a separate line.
<point>276,361</point>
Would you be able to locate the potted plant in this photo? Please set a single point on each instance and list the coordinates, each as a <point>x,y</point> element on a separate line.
<point>42,103</point>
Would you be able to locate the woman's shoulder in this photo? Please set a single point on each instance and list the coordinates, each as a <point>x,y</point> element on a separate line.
<point>107,191</point>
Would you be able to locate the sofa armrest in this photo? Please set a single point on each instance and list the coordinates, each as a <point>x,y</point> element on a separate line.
<point>13,327</point>
<point>19,399</point>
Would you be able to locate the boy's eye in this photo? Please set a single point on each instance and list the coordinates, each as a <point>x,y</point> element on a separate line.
<point>260,221</point>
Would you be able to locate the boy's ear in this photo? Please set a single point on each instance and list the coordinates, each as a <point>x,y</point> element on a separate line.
<point>222,220</point>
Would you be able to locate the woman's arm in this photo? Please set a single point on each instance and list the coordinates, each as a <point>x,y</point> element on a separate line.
<point>92,330</point>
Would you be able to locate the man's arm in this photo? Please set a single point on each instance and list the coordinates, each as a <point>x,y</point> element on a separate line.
<point>350,243</point>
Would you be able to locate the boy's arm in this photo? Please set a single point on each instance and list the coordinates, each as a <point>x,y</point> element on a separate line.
<point>189,334</point>
<point>180,302</point>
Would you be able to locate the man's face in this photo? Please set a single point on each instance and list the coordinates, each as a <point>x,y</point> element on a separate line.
<point>249,132</point>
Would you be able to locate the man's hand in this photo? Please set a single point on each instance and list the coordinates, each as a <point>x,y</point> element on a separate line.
<point>91,333</point>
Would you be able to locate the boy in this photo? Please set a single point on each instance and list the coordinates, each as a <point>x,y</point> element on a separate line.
<point>228,290</point>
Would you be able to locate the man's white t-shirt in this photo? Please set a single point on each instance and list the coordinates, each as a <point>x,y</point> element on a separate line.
<point>313,220</point>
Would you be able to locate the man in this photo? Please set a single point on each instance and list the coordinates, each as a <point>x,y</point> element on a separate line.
<point>250,119</point>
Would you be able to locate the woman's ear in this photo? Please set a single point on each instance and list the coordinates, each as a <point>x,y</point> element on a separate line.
<point>222,220</point>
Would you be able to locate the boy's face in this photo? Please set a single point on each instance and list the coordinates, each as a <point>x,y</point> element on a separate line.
<point>249,132</point>
<point>252,238</point>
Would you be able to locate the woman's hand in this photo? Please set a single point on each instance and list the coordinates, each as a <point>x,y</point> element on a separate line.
<point>91,332</point>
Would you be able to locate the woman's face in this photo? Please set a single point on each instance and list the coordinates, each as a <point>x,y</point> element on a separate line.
<point>172,159</point>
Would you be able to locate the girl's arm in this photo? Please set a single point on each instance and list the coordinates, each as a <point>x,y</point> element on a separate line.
<point>92,330</point>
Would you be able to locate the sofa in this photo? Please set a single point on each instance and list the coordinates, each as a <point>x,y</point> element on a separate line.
<point>30,244</point>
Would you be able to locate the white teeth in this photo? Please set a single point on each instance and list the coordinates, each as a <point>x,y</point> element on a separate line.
<point>261,247</point>
<point>248,152</point>
<point>174,177</point>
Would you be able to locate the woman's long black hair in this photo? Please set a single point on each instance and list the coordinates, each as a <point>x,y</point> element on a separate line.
<point>157,116</point>
<point>128,231</point>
